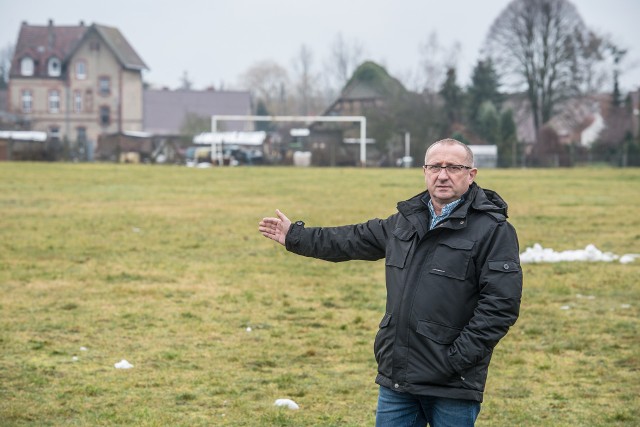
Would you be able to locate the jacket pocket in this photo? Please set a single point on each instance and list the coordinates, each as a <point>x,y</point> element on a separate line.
<point>429,354</point>
<point>383,346</point>
<point>451,258</point>
<point>399,247</point>
<point>438,333</point>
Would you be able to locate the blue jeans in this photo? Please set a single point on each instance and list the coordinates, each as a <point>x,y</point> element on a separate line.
<point>408,410</point>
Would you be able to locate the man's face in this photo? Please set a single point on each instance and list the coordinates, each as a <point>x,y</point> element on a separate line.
<point>445,187</point>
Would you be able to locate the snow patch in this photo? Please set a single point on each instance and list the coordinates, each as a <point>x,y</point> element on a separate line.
<point>538,254</point>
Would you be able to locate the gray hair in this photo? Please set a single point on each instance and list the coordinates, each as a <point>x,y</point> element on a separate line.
<point>451,141</point>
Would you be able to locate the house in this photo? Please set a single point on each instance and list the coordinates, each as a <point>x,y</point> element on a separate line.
<point>366,93</point>
<point>76,83</point>
<point>580,120</point>
<point>167,111</point>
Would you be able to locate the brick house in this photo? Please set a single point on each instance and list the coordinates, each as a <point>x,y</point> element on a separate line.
<point>76,83</point>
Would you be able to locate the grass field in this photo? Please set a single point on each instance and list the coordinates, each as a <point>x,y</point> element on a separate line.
<point>164,267</point>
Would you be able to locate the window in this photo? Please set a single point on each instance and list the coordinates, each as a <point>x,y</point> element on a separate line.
<point>81,137</point>
<point>26,66</point>
<point>54,134</point>
<point>53,67</point>
<point>105,115</point>
<point>88,100</point>
<point>104,86</point>
<point>54,101</point>
<point>27,101</point>
<point>81,70</point>
<point>77,101</point>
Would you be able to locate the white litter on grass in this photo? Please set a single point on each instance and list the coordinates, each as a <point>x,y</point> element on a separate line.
<point>565,307</point>
<point>123,364</point>
<point>286,403</point>
<point>625,305</point>
<point>248,329</point>
<point>74,358</point>
<point>538,254</point>
<point>83,348</point>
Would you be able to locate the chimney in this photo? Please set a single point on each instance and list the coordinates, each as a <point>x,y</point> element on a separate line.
<point>52,36</point>
<point>82,23</point>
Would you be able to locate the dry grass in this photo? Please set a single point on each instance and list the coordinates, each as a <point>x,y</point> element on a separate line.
<point>163,266</point>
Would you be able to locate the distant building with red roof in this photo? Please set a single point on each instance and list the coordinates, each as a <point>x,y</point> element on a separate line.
<point>76,83</point>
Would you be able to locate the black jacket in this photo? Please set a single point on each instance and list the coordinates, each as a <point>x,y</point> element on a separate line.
<point>452,292</point>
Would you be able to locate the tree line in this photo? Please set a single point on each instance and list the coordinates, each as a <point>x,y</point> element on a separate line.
<point>541,50</point>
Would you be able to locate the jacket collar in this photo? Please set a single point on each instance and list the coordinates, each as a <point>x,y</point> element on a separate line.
<point>415,209</point>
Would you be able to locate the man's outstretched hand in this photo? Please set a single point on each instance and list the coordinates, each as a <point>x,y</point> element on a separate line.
<point>275,228</point>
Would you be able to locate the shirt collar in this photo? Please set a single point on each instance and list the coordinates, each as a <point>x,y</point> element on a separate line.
<point>446,211</point>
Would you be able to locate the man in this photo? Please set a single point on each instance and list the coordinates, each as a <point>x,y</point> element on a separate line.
<point>453,288</point>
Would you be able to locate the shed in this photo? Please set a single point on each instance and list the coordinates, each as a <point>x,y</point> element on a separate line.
<point>23,145</point>
<point>125,147</point>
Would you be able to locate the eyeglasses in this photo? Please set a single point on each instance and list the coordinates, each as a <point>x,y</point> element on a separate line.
<point>451,169</point>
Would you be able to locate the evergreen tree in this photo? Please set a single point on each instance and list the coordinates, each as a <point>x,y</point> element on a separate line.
<point>261,110</point>
<point>453,98</point>
<point>484,87</point>
<point>618,54</point>
<point>508,148</point>
<point>489,123</point>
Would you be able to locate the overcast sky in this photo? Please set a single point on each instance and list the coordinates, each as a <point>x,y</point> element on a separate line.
<point>215,41</point>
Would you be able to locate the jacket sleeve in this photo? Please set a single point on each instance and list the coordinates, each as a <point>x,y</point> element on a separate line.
<point>500,287</point>
<point>364,241</point>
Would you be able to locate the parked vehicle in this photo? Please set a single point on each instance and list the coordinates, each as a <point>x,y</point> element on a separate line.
<point>231,156</point>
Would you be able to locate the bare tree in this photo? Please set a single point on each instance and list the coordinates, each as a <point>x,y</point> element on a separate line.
<point>343,60</point>
<point>6,55</point>
<point>306,81</point>
<point>540,45</point>
<point>431,68</point>
<point>435,60</point>
<point>268,82</point>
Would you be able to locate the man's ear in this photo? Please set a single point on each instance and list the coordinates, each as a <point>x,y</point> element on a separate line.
<point>472,175</point>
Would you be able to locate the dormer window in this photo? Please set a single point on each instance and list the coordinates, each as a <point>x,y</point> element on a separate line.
<point>54,67</point>
<point>27,66</point>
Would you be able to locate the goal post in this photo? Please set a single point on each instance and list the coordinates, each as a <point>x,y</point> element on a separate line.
<point>305,119</point>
